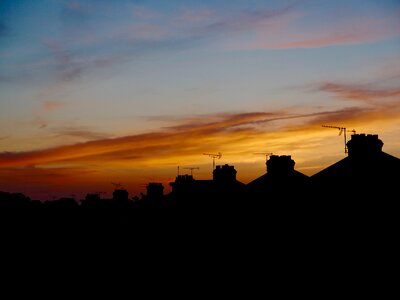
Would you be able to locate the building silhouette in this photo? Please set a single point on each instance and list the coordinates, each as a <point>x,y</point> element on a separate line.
<point>120,195</point>
<point>155,190</point>
<point>280,180</point>
<point>224,185</point>
<point>366,173</point>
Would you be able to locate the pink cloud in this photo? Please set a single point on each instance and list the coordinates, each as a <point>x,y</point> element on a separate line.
<point>358,92</point>
<point>318,42</point>
<point>145,13</point>
<point>74,5</point>
<point>49,105</point>
<point>145,31</point>
<point>347,32</point>
<point>193,16</point>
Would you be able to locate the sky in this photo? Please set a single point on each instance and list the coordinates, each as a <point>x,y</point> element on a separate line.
<point>97,92</point>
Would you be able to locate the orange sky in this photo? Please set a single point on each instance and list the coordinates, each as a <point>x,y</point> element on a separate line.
<point>138,159</point>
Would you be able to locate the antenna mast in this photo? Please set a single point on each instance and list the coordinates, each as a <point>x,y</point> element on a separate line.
<point>341,130</point>
<point>267,154</point>
<point>191,169</point>
<point>214,156</point>
<point>117,185</point>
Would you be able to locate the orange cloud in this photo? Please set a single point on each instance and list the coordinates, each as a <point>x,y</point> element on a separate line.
<point>141,158</point>
<point>185,139</point>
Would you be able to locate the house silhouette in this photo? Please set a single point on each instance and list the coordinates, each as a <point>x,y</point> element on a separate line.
<point>281,180</point>
<point>224,185</point>
<point>366,173</point>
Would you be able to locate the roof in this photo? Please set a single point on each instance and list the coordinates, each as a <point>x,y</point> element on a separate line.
<point>381,165</point>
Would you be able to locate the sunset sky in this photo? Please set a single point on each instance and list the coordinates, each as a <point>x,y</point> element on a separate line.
<point>99,91</point>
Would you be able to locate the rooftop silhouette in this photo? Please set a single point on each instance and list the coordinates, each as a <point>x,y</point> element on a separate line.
<point>281,179</point>
<point>366,178</point>
<point>367,171</point>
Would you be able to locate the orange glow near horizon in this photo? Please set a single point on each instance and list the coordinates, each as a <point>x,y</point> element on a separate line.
<point>138,159</point>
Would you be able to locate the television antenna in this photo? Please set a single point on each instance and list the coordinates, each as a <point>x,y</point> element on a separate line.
<point>341,130</point>
<point>214,156</point>
<point>117,185</point>
<point>267,154</point>
<point>191,169</point>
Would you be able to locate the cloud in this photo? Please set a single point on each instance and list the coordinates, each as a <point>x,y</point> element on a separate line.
<point>323,40</point>
<point>66,69</point>
<point>144,38</point>
<point>74,5</point>
<point>244,21</point>
<point>132,40</point>
<point>194,16</point>
<point>141,158</point>
<point>317,41</point>
<point>39,122</point>
<point>182,140</point>
<point>292,34</point>
<point>358,92</point>
<point>75,12</point>
<point>51,105</point>
<point>79,132</point>
<point>145,13</point>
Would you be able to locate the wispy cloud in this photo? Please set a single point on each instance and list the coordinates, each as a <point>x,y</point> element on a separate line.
<point>324,40</point>
<point>243,21</point>
<point>74,11</point>
<point>140,158</point>
<point>182,140</point>
<point>194,16</point>
<point>39,122</point>
<point>364,93</point>
<point>66,69</point>
<point>51,105</point>
<point>74,5</point>
<point>136,39</point>
<point>346,32</point>
<point>143,12</point>
<point>79,132</point>
<point>149,32</point>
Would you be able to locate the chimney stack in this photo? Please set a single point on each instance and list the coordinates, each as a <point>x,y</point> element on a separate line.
<point>362,145</point>
<point>224,174</point>
<point>280,165</point>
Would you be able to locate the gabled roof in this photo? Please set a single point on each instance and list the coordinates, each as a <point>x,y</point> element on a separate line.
<point>268,179</point>
<point>381,165</point>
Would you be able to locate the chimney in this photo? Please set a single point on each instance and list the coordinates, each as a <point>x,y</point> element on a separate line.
<point>224,174</point>
<point>155,190</point>
<point>362,145</point>
<point>280,165</point>
<point>120,195</point>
